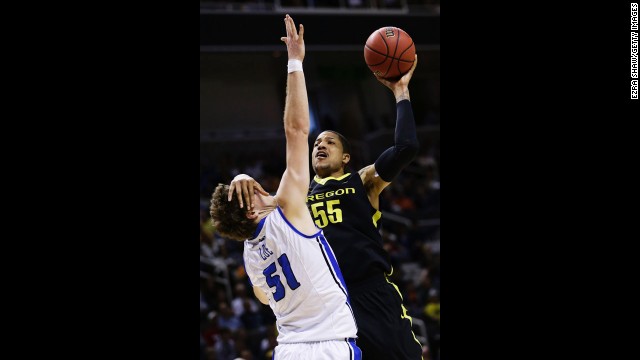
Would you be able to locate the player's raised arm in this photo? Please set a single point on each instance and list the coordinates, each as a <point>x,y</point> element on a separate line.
<point>405,148</point>
<point>295,180</point>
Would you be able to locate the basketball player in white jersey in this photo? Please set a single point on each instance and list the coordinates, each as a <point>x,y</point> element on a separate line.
<point>289,262</point>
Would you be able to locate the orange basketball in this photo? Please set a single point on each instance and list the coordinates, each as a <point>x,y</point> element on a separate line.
<point>389,52</point>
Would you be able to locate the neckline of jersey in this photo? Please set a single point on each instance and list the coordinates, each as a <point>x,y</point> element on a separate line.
<point>323,181</point>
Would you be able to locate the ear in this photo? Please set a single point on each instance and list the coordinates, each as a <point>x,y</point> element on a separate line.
<point>251,214</point>
<point>346,158</point>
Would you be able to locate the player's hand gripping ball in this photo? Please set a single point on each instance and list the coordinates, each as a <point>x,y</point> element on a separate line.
<point>389,52</point>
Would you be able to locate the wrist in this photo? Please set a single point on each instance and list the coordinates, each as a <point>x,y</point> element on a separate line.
<point>402,94</point>
<point>294,65</point>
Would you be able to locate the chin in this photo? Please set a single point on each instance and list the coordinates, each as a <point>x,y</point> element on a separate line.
<point>322,171</point>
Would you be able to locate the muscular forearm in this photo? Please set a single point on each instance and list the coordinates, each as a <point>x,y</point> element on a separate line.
<point>296,111</point>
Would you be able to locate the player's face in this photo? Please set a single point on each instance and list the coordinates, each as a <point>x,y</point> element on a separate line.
<point>261,202</point>
<point>327,156</point>
<point>262,206</point>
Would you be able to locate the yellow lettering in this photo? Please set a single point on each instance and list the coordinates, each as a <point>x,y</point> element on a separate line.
<point>329,194</point>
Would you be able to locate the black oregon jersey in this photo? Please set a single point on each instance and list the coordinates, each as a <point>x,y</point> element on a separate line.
<point>341,208</point>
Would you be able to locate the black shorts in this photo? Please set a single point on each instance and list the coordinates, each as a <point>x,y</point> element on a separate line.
<point>384,328</point>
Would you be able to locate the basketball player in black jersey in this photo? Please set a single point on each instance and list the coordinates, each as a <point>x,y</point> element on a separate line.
<point>346,206</point>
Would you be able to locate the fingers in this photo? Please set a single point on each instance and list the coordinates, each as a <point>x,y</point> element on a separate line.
<point>250,195</point>
<point>260,189</point>
<point>291,27</point>
<point>293,40</point>
<point>287,30</point>
<point>245,190</point>
<point>238,191</point>
<point>245,194</point>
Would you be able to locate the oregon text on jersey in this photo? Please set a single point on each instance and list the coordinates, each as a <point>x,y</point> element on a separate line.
<point>329,194</point>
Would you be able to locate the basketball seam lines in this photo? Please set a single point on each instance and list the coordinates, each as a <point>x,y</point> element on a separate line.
<point>377,52</point>
<point>394,53</point>
<point>402,53</point>
<point>394,58</point>
<point>384,41</point>
<point>387,54</point>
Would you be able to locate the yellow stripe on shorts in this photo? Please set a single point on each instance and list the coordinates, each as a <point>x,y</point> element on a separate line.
<point>404,309</point>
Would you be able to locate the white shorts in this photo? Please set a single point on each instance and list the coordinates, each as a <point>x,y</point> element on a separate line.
<point>319,350</point>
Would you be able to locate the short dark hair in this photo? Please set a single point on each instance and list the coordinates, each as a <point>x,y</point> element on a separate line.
<point>228,218</point>
<point>346,146</point>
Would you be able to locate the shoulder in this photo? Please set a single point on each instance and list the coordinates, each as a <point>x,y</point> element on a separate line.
<point>367,175</point>
<point>372,182</point>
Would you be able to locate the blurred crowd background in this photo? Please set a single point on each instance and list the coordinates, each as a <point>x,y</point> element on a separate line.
<point>274,5</point>
<point>241,106</point>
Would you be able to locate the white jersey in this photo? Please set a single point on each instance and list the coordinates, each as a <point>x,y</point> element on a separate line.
<point>300,276</point>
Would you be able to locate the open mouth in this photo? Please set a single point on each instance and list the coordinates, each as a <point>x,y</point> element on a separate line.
<point>321,155</point>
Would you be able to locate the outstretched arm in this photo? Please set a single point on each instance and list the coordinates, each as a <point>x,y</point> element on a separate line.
<point>296,123</point>
<point>379,175</point>
<point>295,180</point>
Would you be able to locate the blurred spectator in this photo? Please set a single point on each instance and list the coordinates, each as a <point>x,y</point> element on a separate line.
<point>227,319</point>
<point>210,329</point>
<point>225,347</point>
<point>269,342</point>
<point>203,349</point>
<point>204,307</point>
<point>238,303</point>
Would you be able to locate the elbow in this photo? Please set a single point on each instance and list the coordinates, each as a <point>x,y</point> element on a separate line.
<point>409,149</point>
<point>297,130</point>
